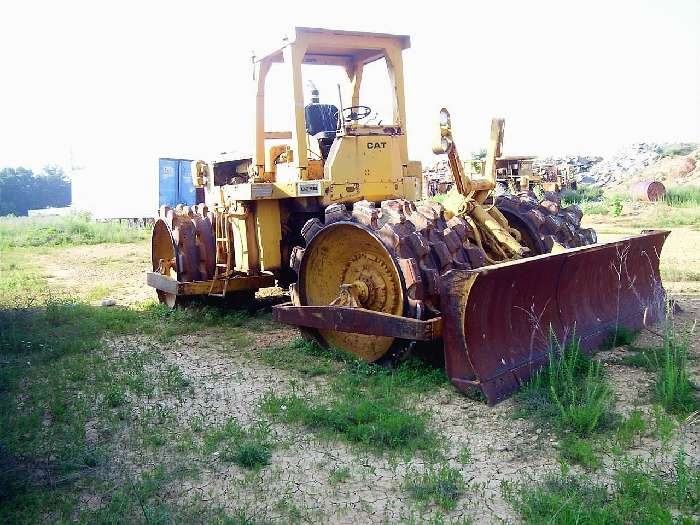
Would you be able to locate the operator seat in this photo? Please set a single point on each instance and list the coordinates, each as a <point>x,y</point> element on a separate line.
<point>322,124</point>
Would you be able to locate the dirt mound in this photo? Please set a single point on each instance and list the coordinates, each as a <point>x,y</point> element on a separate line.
<point>679,170</point>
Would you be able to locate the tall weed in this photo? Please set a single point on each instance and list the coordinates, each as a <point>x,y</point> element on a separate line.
<point>673,388</point>
<point>571,391</point>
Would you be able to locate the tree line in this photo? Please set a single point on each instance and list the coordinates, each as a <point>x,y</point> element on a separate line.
<point>22,190</point>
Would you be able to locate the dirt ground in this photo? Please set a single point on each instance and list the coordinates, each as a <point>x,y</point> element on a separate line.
<point>680,260</point>
<point>229,381</point>
<point>93,273</point>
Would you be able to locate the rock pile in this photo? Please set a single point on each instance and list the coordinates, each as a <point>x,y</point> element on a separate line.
<point>575,163</point>
<point>618,168</point>
<point>622,164</point>
<point>606,170</point>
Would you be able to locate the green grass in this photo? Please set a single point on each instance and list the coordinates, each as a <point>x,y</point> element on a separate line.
<point>680,206</point>
<point>570,392</point>
<point>631,429</point>
<point>678,149</point>
<point>438,485</point>
<point>616,206</point>
<point>664,426</point>
<point>65,231</point>
<point>21,282</point>
<point>664,216</point>
<point>572,395</point>
<point>366,405</point>
<point>639,494</point>
<point>673,273</point>
<point>592,200</point>
<point>99,291</point>
<point>645,358</point>
<point>304,357</point>
<point>144,498</point>
<point>465,455</point>
<point>339,475</point>
<point>582,194</point>
<point>683,196</point>
<point>574,449</point>
<point>621,336</point>
<point>596,208</point>
<point>673,388</point>
<point>249,448</point>
<point>66,402</point>
<point>57,381</point>
<point>377,424</point>
<point>609,205</point>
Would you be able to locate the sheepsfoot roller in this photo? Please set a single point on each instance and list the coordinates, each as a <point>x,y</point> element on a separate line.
<point>332,205</point>
<point>192,256</point>
<point>497,322</point>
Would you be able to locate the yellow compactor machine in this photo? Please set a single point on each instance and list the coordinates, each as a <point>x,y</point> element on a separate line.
<point>331,207</point>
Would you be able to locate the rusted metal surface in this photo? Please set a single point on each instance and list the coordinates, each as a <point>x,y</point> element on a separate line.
<point>498,319</point>
<point>234,284</point>
<point>358,321</point>
<point>648,190</point>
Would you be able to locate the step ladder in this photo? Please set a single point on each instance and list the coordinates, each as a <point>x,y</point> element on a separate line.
<point>223,270</point>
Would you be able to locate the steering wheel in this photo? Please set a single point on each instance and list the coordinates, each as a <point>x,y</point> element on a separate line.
<point>356,113</point>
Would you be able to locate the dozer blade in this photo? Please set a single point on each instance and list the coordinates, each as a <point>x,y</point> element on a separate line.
<point>498,321</point>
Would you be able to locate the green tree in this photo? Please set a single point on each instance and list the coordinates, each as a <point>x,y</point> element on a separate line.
<point>22,190</point>
<point>480,154</point>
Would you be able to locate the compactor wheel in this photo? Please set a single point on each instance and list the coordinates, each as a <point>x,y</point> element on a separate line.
<point>542,223</point>
<point>389,256</point>
<point>182,247</point>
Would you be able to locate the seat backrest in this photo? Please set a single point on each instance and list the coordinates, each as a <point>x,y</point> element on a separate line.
<point>321,118</point>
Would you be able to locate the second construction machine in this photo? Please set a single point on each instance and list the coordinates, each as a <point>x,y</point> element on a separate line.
<point>331,206</point>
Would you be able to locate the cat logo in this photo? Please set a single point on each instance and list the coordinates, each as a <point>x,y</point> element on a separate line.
<point>376,145</point>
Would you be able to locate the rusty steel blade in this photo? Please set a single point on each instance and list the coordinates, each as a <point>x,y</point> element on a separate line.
<point>498,320</point>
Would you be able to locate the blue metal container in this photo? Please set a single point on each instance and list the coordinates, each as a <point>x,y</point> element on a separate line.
<point>186,192</point>
<point>175,182</point>
<point>168,179</point>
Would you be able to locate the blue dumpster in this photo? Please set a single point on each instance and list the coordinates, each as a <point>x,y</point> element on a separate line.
<point>175,182</point>
<point>186,192</point>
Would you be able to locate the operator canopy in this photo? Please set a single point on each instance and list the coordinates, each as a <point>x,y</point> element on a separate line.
<point>351,50</point>
<point>339,48</point>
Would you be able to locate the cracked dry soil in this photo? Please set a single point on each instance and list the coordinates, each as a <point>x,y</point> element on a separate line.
<point>228,381</point>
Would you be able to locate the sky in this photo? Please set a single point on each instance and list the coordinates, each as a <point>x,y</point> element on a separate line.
<point>112,84</point>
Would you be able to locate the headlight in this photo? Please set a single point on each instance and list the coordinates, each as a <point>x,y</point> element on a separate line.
<point>444,118</point>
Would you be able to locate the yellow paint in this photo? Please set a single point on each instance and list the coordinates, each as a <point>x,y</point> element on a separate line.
<point>244,242</point>
<point>346,254</point>
<point>273,154</point>
<point>347,49</point>
<point>315,169</point>
<point>268,233</point>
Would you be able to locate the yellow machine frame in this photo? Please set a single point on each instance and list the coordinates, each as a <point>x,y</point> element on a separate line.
<point>365,162</point>
<point>350,50</point>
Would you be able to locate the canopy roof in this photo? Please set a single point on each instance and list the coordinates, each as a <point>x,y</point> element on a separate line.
<point>336,47</point>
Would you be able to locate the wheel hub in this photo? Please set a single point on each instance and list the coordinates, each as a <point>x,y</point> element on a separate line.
<point>346,265</point>
<point>374,276</point>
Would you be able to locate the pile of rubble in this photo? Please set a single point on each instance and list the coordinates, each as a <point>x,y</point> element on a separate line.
<point>609,170</point>
<point>576,164</point>
<point>437,179</point>
<point>618,168</point>
<point>623,164</point>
